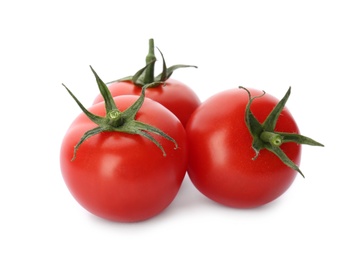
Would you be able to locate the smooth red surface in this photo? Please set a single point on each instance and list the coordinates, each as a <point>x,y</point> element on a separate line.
<point>174,95</point>
<point>220,151</point>
<point>124,177</point>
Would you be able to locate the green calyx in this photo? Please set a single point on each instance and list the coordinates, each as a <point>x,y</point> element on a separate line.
<point>264,136</point>
<point>119,121</point>
<point>146,74</point>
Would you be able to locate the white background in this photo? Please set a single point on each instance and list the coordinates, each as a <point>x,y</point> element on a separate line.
<point>316,47</point>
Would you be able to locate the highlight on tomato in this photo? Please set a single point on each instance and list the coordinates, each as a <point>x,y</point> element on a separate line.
<point>244,147</point>
<point>124,159</point>
<point>171,93</point>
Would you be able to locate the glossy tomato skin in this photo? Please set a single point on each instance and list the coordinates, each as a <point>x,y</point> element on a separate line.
<point>220,151</point>
<point>123,177</point>
<point>174,95</point>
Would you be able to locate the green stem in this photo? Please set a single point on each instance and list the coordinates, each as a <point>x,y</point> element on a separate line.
<point>115,118</point>
<point>272,138</point>
<point>149,71</point>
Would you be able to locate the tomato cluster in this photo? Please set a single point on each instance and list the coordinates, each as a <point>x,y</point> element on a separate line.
<point>125,157</point>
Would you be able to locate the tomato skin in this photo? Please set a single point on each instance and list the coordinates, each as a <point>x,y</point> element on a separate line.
<point>220,151</point>
<point>123,177</point>
<point>174,95</point>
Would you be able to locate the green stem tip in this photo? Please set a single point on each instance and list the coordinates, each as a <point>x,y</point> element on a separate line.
<point>272,138</point>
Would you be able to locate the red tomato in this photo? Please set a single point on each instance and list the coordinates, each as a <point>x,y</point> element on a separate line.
<point>174,95</point>
<point>120,176</point>
<point>220,151</point>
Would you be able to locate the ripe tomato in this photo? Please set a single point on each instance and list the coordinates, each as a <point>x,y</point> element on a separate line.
<point>174,95</point>
<point>123,176</point>
<point>220,150</point>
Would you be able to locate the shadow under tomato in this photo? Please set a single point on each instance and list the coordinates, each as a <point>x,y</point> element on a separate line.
<point>188,202</point>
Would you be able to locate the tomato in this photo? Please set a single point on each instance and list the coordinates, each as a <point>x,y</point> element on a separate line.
<point>222,163</point>
<point>123,176</point>
<point>173,94</point>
